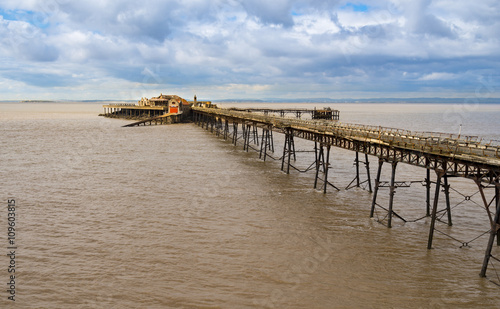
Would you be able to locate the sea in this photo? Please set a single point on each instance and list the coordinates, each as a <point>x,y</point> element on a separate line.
<point>173,216</point>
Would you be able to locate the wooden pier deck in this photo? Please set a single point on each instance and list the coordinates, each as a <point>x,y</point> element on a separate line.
<point>163,119</point>
<point>327,113</point>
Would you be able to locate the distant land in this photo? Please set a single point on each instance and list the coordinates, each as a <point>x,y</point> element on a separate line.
<point>36,101</point>
<point>471,100</point>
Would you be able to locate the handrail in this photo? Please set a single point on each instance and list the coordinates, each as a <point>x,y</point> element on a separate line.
<point>434,142</point>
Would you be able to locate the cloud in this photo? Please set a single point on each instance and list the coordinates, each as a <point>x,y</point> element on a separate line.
<point>438,76</point>
<point>276,12</point>
<point>243,46</point>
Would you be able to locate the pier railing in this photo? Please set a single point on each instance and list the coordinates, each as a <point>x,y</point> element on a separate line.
<point>121,104</point>
<point>432,142</point>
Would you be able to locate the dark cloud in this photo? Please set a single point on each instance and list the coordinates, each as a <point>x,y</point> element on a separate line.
<point>43,80</point>
<point>430,24</point>
<point>278,12</point>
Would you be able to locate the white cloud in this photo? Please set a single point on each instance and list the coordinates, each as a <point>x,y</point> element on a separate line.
<point>438,76</point>
<point>393,47</point>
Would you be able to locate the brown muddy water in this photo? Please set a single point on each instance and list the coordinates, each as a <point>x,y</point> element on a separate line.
<point>174,217</point>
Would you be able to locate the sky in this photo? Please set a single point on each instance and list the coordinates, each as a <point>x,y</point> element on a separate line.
<point>249,49</point>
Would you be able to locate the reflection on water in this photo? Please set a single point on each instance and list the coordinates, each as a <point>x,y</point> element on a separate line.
<point>173,217</point>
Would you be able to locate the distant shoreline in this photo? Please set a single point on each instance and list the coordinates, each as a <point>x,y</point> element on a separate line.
<point>35,101</point>
<point>305,100</point>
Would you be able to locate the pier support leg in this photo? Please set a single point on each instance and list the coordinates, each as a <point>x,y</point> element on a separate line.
<point>243,131</point>
<point>317,155</point>
<point>377,184</point>
<point>255,134</point>
<point>392,191</point>
<point>327,165</point>
<point>357,178</point>
<point>220,127</point>
<point>446,188</point>
<point>272,141</point>
<point>246,137</point>
<point>322,162</point>
<point>367,165</point>
<point>235,133</point>
<point>434,209</point>
<point>493,233</point>
<point>428,193</point>
<point>290,145</point>
<point>288,149</point>
<point>497,200</point>
<point>226,129</point>
<point>265,143</point>
<point>356,163</point>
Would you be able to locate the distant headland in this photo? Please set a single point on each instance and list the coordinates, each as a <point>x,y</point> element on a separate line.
<point>36,101</point>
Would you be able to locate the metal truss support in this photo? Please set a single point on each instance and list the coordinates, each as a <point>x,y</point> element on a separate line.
<point>202,121</point>
<point>446,189</point>
<point>212,124</point>
<point>487,205</point>
<point>288,150</point>
<point>392,185</point>
<point>495,228</point>
<point>207,122</point>
<point>323,164</point>
<point>266,142</point>
<point>357,178</point>
<point>255,134</point>
<point>246,136</point>
<point>218,127</point>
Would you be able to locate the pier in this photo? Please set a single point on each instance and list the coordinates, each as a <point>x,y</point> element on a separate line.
<point>158,120</point>
<point>327,113</point>
<point>444,155</point>
<point>163,109</point>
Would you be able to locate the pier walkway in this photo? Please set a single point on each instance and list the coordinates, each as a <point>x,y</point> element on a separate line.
<point>163,119</point>
<point>447,155</point>
<point>330,114</point>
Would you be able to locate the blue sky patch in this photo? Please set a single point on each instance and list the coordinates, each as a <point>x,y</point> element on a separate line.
<point>36,19</point>
<point>356,7</point>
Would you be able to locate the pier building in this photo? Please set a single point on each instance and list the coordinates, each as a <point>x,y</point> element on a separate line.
<point>160,106</point>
